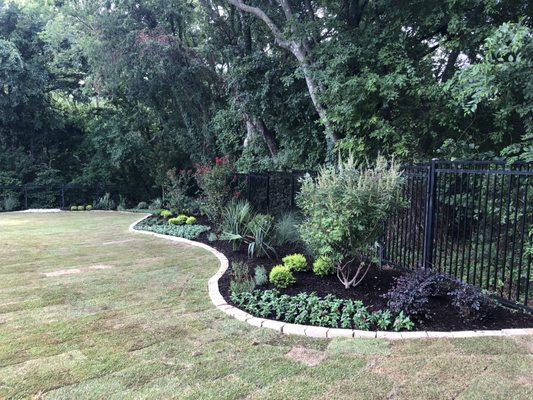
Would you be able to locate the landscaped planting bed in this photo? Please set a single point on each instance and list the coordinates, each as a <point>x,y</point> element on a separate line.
<point>439,312</point>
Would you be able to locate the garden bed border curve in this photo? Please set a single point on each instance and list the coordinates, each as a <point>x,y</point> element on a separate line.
<point>308,330</point>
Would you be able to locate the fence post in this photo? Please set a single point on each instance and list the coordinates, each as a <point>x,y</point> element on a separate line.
<point>429,218</point>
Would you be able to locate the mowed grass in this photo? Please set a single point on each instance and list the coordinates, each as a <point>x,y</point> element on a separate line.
<point>89,310</point>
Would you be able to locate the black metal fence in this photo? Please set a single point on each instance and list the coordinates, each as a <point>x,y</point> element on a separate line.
<point>470,219</point>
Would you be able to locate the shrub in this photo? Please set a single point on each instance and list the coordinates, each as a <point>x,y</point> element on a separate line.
<point>190,232</point>
<point>73,208</point>
<point>104,203</point>
<point>286,230</point>
<point>10,202</point>
<point>323,266</point>
<point>327,311</point>
<point>240,278</point>
<point>179,220</point>
<point>296,262</point>
<point>142,205</point>
<point>215,182</point>
<point>260,228</point>
<point>281,276</point>
<point>166,214</point>
<point>177,186</point>
<point>89,207</point>
<point>190,221</point>
<point>235,219</point>
<point>345,208</point>
<point>260,276</point>
<point>121,202</point>
<point>81,208</point>
<point>156,204</point>
<point>413,291</point>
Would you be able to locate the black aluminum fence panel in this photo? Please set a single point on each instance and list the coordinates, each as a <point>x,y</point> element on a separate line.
<point>469,219</point>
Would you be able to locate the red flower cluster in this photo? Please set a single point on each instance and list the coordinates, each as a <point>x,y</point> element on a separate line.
<point>221,160</point>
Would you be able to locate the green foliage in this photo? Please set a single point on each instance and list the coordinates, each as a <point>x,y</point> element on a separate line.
<point>286,230</point>
<point>310,309</point>
<point>178,187</point>
<point>156,204</point>
<point>104,203</point>
<point>281,276</point>
<point>81,208</point>
<point>190,220</point>
<point>260,228</point>
<point>241,281</point>
<point>179,220</point>
<point>236,217</point>
<point>345,208</point>
<point>296,262</point>
<point>88,207</point>
<point>167,214</point>
<point>9,203</point>
<point>74,208</point>
<point>143,205</point>
<point>215,183</point>
<point>121,203</point>
<point>323,266</point>
<point>190,232</point>
<point>260,276</point>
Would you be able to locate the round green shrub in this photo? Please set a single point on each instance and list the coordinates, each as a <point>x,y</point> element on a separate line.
<point>166,214</point>
<point>182,218</point>
<point>73,208</point>
<point>190,221</point>
<point>323,266</point>
<point>142,205</point>
<point>81,208</point>
<point>174,221</point>
<point>281,276</point>
<point>296,262</point>
<point>89,207</point>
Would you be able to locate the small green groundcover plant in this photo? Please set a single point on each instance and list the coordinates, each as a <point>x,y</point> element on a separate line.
<point>190,232</point>
<point>281,276</point>
<point>296,262</point>
<point>309,309</point>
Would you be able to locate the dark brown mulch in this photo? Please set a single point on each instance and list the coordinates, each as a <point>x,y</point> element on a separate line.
<point>378,281</point>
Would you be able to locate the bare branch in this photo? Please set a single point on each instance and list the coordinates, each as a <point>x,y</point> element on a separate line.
<point>278,36</point>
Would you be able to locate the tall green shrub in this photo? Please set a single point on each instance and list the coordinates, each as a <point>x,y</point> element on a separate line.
<point>345,208</point>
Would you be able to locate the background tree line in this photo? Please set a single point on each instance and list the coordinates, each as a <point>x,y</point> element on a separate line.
<point>96,91</point>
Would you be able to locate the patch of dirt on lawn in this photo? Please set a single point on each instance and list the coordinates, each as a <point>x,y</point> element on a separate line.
<point>61,272</point>
<point>309,357</point>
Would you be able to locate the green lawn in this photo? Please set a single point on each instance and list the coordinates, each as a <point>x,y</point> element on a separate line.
<point>89,310</point>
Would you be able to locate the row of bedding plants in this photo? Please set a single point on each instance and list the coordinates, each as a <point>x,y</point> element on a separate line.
<point>320,266</point>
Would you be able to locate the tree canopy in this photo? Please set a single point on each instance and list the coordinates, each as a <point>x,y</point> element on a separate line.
<point>121,91</point>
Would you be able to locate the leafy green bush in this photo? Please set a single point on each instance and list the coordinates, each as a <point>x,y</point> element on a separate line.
<point>323,266</point>
<point>81,208</point>
<point>215,182</point>
<point>190,221</point>
<point>286,230</point>
<point>177,186</point>
<point>179,220</point>
<point>241,281</point>
<point>105,203</point>
<point>10,202</point>
<point>281,276</point>
<point>73,208</point>
<point>310,309</point>
<point>296,262</point>
<point>260,276</point>
<point>166,214</point>
<point>156,204</point>
<point>143,205</point>
<point>89,207</point>
<point>190,232</point>
<point>345,208</point>
<point>121,202</point>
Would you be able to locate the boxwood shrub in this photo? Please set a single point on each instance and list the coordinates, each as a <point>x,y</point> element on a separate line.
<point>281,276</point>
<point>296,262</point>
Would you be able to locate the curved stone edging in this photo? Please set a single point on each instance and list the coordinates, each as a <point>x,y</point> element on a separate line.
<point>308,330</point>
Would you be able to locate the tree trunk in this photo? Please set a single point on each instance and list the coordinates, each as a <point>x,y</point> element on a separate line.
<point>268,136</point>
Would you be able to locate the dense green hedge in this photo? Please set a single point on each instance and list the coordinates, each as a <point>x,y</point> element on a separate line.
<point>184,231</point>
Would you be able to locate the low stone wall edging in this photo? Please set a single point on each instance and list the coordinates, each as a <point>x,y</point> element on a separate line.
<point>308,330</point>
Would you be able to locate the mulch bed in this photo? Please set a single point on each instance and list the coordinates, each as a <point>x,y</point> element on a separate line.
<point>378,281</point>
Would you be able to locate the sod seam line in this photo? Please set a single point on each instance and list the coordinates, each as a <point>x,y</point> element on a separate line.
<point>309,330</point>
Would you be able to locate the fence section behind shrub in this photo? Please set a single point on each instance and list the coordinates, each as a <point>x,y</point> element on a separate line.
<point>470,219</point>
